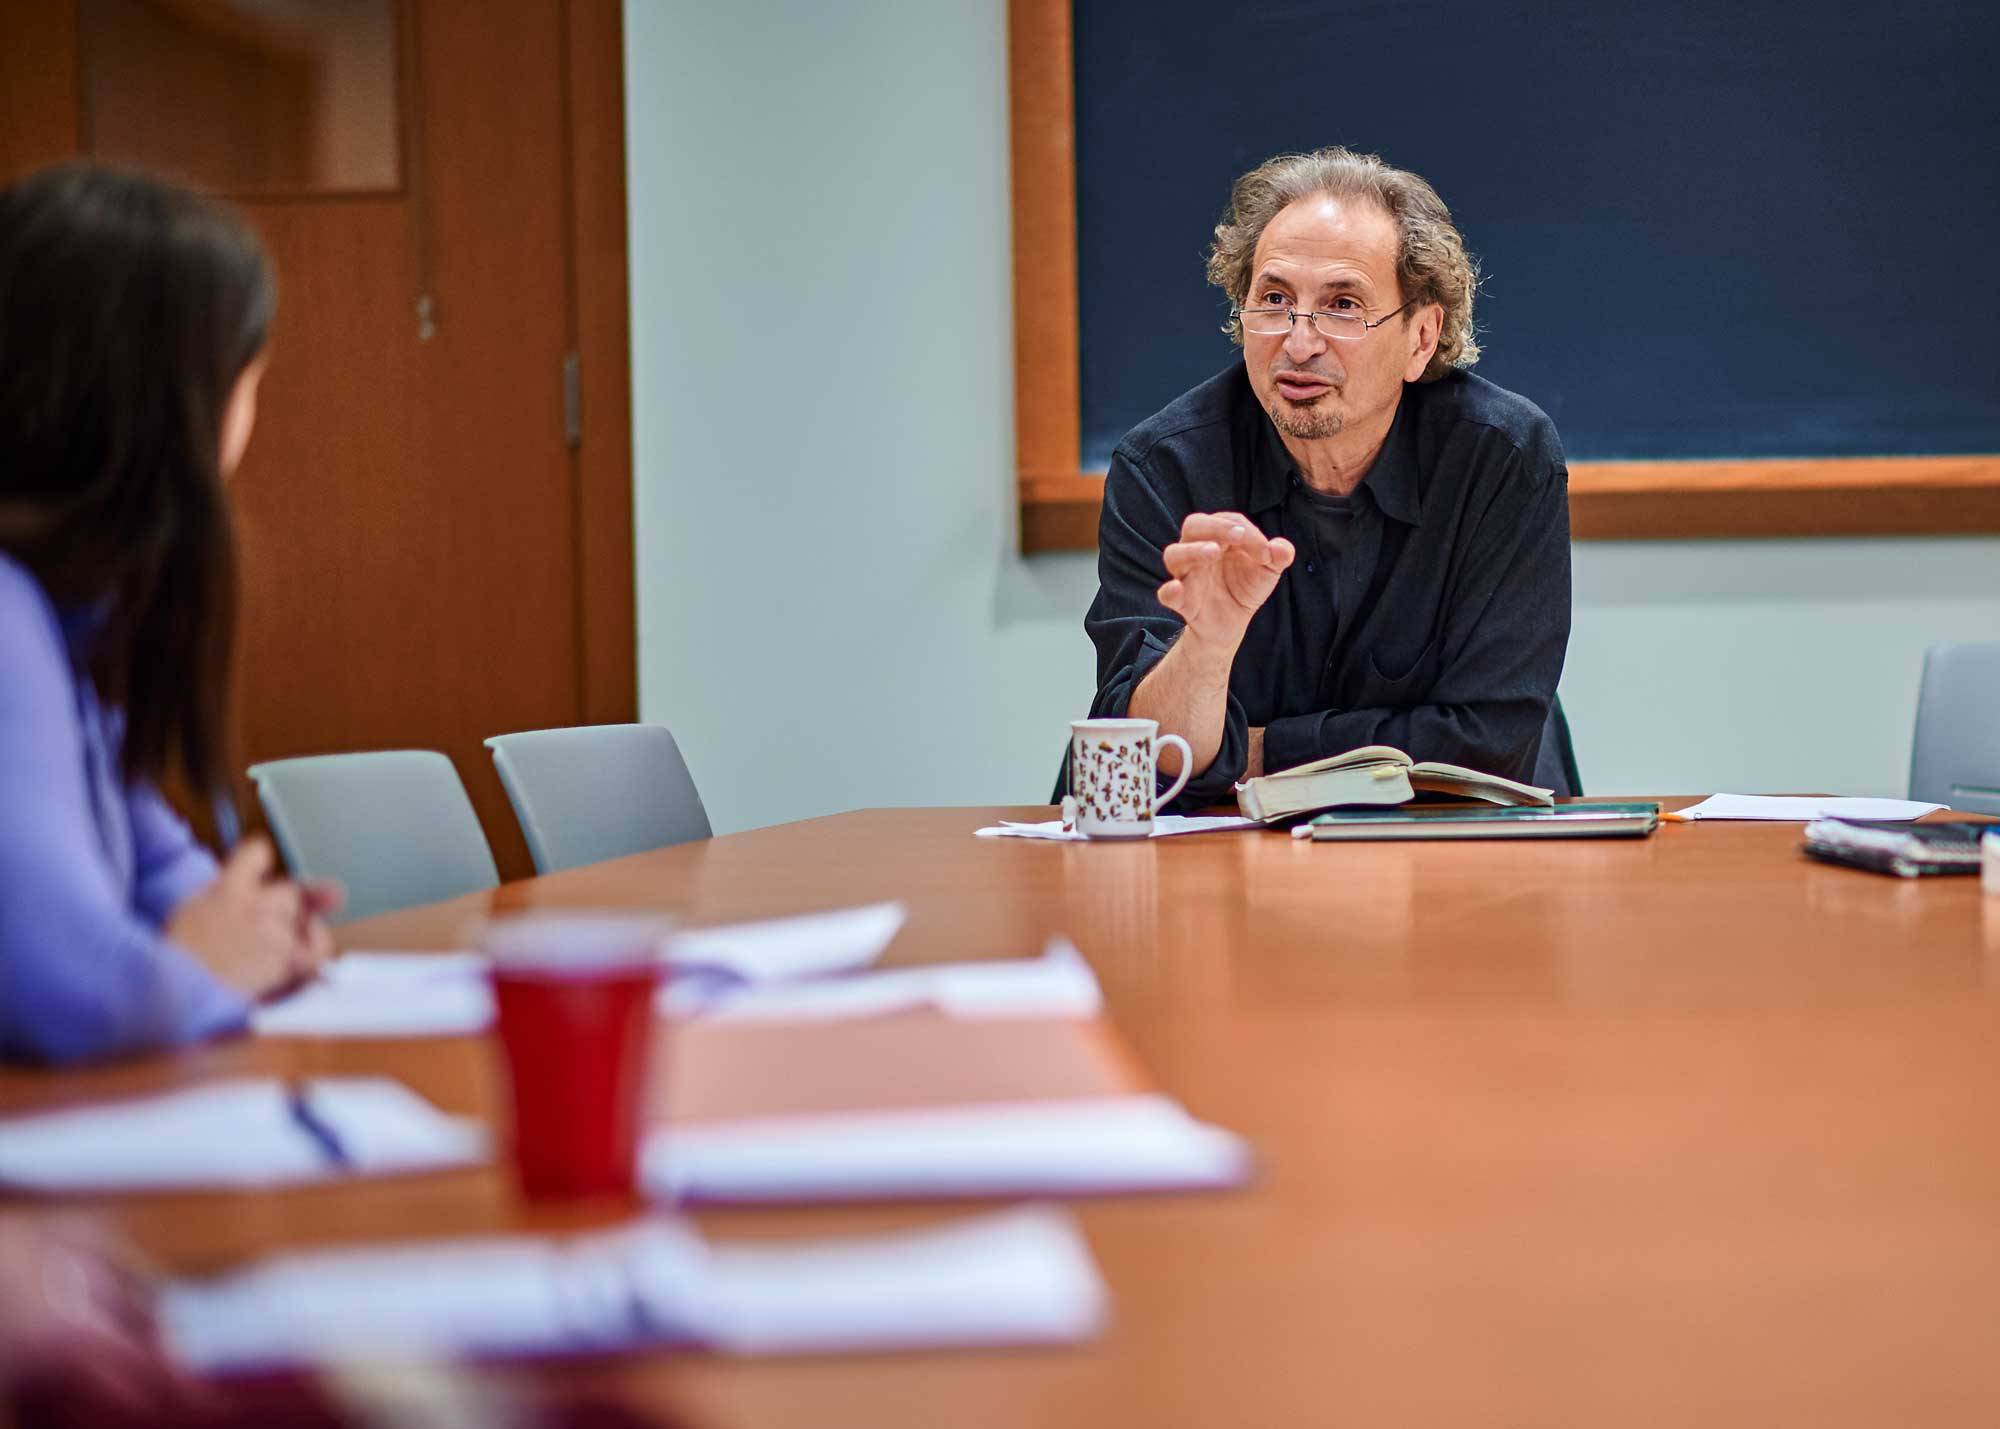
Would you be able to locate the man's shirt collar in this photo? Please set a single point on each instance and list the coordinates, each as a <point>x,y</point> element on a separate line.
<point>1392,482</point>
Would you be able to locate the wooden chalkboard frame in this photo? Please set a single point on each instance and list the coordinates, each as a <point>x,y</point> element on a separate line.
<point>1059,501</point>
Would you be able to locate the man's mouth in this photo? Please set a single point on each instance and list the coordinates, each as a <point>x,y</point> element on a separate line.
<point>1302,386</point>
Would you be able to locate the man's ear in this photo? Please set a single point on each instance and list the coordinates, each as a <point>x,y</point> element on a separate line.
<point>1425,331</point>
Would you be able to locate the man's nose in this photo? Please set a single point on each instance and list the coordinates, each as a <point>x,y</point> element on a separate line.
<point>1304,340</point>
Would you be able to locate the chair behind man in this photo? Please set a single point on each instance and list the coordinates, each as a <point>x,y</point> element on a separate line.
<point>1955,756</point>
<point>598,791</point>
<point>394,826</point>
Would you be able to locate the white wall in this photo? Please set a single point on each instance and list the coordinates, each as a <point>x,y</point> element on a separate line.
<point>1764,665</point>
<point>830,615</point>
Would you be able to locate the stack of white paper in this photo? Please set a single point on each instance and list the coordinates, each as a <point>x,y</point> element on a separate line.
<point>248,1132</point>
<point>391,994</point>
<point>425,1301</point>
<point>1057,984</point>
<point>384,994</point>
<point>1165,826</point>
<point>381,994</point>
<point>1019,1277</point>
<point>778,949</point>
<point>1802,808</point>
<point>1023,1276</point>
<point>1078,1147</point>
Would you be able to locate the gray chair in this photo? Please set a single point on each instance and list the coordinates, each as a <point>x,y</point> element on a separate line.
<point>1955,757</point>
<point>394,826</point>
<point>598,791</point>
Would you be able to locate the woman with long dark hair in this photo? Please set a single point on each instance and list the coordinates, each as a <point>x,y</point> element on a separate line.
<point>132,325</point>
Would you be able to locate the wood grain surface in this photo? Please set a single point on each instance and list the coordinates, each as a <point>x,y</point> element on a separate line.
<point>1680,1130</point>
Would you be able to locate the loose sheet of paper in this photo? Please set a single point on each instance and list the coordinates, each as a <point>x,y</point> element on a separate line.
<point>1021,1276</point>
<point>515,1295</point>
<point>1084,1146</point>
<point>775,949</point>
<point>243,1132</point>
<point>386,994</point>
<point>392,994</point>
<point>1165,826</point>
<point>1057,984</point>
<point>1801,809</point>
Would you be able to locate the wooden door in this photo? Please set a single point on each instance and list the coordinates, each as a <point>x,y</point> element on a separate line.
<point>435,509</point>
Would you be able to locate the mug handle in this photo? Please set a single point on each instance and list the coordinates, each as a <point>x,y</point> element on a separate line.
<point>1187,768</point>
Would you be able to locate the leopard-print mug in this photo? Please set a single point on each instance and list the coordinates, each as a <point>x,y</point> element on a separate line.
<point>1114,776</point>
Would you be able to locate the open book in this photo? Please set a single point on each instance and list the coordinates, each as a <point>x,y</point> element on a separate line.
<point>1375,775</point>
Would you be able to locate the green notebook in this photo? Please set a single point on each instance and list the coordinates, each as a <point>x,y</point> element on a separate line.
<point>1453,821</point>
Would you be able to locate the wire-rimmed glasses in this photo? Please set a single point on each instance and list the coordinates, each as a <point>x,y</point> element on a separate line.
<point>1340,327</point>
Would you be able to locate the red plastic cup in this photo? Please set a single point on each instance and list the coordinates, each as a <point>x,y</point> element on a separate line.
<point>574,993</point>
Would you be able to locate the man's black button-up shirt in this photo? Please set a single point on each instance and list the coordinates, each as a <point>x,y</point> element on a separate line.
<point>1439,626</point>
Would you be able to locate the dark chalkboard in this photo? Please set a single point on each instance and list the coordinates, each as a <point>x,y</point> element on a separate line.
<point>1708,229</point>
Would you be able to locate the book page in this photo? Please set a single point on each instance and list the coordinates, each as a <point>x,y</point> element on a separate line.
<point>1366,754</point>
<point>1436,777</point>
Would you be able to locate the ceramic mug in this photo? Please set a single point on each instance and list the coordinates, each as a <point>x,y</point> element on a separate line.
<point>1113,772</point>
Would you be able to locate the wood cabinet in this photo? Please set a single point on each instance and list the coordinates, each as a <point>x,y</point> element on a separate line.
<point>435,511</point>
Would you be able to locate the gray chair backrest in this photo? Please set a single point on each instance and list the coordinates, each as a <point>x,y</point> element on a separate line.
<point>598,791</point>
<point>394,826</point>
<point>1955,757</point>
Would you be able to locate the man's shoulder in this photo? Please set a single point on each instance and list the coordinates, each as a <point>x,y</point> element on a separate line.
<point>1206,413</point>
<point>1463,401</point>
<point>1195,453</point>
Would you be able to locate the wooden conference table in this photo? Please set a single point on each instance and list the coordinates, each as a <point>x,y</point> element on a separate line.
<point>1668,1131</point>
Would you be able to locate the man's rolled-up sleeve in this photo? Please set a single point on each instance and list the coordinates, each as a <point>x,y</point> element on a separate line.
<point>1132,630</point>
<point>1502,645</point>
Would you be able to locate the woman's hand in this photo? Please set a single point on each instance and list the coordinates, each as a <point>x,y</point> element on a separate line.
<point>256,933</point>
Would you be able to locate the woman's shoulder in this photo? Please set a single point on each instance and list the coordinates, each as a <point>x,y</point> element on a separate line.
<point>31,633</point>
<point>21,595</point>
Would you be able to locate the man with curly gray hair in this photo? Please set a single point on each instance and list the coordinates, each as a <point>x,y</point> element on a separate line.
<point>1347,538</point>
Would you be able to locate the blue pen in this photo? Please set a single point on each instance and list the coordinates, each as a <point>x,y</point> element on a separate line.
<point>228,834</point>
<point>228,824</point>
<point>315,1126</point>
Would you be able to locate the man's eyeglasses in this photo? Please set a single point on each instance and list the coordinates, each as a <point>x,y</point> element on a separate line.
<point>1341,327</point>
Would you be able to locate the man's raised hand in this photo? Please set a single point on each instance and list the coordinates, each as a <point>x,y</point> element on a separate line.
<point>1219,572</point>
